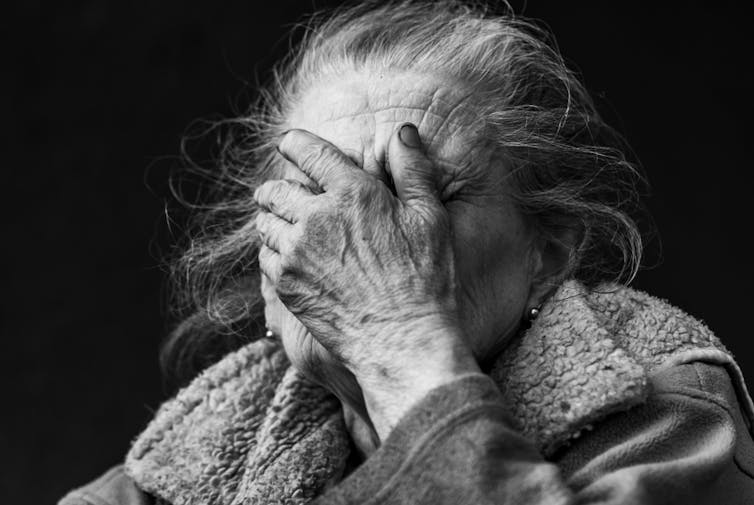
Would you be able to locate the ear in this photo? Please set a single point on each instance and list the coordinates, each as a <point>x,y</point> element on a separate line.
<point>550,264</point>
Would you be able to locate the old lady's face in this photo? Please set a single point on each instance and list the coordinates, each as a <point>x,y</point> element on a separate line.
<point>493,246</point>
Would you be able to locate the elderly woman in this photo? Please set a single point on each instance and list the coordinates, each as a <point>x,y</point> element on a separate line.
<point>442,222</point>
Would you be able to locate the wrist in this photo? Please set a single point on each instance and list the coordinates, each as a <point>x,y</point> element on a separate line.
<point>391,390</point>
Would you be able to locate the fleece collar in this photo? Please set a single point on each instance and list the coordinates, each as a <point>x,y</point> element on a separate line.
<point>250,429</point>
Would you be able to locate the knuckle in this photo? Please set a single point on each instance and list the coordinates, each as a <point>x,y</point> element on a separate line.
<point>281,188</point>
<point>275,193</point>
<point>363,191</point>
<point>316,153</point>
<point>353,193</point>
<point>262,194</point>
<point>265,189</point>
<point>275,186</point>
<point>313,219</point>
<point>435,219</point>
<point>290,292</point>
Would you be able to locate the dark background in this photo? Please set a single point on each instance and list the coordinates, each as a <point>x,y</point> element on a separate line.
<point>101,92</point>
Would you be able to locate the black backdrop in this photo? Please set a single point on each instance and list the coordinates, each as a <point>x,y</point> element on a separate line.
<point>101,92</point>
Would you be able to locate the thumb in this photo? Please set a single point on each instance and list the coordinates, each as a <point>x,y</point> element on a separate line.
<point>414,175</point>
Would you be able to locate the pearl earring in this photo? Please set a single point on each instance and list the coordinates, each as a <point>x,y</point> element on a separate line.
<point>533,313</point>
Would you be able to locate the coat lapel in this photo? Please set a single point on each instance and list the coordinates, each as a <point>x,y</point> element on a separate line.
<point>252,430</point>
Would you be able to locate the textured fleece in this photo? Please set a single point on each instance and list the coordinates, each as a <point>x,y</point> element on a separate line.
<point>251,430</point>
<point>589,354</point>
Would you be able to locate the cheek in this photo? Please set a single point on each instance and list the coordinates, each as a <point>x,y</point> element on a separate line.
<point>491,248</point>
<point>489,241</point>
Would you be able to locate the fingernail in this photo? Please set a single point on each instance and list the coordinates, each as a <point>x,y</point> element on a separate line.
<point>409,135</point>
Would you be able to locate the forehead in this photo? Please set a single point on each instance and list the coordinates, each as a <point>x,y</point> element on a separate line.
<point>359,112</point>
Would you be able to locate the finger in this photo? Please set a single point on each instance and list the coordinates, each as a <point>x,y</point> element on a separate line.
<point>415,177</point>
<point>269,264</point>
<point>272,306</point>
<point>273,231</point>
<point>268,290</point>
<point>321,161</point>
<point>284,198</point>
<point>295,174</point>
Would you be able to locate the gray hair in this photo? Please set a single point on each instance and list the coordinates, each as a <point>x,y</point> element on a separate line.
<point>569,169</point>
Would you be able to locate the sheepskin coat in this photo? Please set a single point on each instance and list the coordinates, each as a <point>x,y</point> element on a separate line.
<point>612,396</point>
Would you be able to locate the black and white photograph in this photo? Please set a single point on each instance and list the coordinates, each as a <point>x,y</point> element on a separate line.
<point>450,252</point>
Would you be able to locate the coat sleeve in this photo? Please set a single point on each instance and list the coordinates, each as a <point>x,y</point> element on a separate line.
<point>686,444</point>
<point>112,488</point>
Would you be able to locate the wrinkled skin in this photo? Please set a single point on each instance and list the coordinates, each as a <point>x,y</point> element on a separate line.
<point>369,274</point>
<point>497,261</point>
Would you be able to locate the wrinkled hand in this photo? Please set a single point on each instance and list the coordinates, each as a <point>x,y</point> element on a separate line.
<point>369,274</point>
<point>318,365</point>
<point>307,355</point>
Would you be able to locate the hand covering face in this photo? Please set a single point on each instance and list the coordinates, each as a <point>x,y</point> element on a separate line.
<point>370,274</point>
